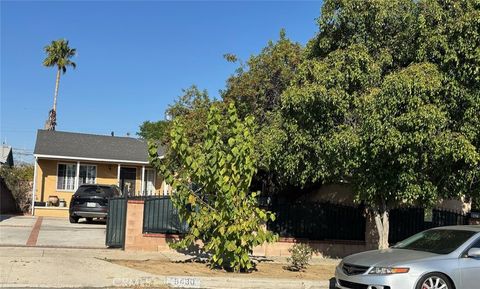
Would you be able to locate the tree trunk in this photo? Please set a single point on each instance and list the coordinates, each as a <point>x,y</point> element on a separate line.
<point>381,216</point>
<point>57,83</point>
<point>51,121</point>
<point>52,115</point>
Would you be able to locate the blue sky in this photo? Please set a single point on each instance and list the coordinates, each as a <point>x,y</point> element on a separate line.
<point>133,58</point>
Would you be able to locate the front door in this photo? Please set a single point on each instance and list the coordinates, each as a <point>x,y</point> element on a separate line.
<point>128,177</point>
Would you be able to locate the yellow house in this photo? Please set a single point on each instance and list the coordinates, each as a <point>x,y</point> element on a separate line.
<point>66,160</point>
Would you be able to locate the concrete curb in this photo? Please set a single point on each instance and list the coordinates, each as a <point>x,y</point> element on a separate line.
<point>199,282</point>
<point>243,283</point>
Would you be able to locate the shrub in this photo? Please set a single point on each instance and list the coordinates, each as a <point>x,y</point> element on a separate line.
<point>301,254</point>
<point>19,181</point>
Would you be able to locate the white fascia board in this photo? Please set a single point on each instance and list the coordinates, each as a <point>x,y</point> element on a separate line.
<point>90,159</point>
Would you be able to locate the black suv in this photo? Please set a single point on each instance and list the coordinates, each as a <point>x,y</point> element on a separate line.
<point>91,201</point>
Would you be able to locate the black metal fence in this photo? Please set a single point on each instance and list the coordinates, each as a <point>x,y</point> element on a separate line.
<point>447,218</point>
<point>405,222</point>
<point>323,221</point>
<point>160,216</point>
<point>116,222</point>
<point>305,220</point>
<point>318,221</point>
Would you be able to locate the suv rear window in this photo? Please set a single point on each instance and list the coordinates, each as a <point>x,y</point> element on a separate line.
<point>105,190</point>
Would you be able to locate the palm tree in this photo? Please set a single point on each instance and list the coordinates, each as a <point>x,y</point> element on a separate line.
<point>59,55</point>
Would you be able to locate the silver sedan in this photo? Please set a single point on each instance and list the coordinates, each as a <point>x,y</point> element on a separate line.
<point>440,258</point>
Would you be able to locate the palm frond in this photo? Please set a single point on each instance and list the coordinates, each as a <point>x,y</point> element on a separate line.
<point>59,54</point>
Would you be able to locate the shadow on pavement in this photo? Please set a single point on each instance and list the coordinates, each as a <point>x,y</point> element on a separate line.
<point>198,255</point>
<point>4,217</point>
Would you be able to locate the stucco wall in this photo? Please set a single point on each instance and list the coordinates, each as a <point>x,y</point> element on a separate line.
<point>46,184</point>
<point>51,212</point>
<point>459,205</point>
<point>107,173</point>
<point>344,194</point>
<point>333,193</point>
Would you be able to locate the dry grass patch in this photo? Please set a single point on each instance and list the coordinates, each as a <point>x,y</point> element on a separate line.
<point>264,270</point>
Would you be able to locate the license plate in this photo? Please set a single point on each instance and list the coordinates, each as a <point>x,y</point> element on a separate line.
<point>91,205</point>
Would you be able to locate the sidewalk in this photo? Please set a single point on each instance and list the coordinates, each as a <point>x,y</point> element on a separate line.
<point>81,268</point>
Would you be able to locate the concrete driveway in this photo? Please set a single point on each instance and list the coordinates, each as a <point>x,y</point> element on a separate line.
<point>30,267</point>
<point>50,232</point>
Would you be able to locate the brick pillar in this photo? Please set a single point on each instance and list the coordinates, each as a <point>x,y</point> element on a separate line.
<point>134,223</point>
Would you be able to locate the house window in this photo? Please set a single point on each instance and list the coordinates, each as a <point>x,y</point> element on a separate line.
<point>66,177</point>
<point>88,174</point>
<point>149,182</point>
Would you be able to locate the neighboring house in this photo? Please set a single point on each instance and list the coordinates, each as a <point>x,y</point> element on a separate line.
<point>6,156</point>
<point>65,160</point>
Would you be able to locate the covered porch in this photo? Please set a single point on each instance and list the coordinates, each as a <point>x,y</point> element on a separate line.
<point>60,178</point>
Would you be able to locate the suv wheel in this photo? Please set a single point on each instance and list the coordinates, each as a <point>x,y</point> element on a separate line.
<point>89,220</point>
<point>73,219</point>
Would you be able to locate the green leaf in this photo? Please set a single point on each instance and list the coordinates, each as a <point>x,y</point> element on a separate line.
<point>231,246</point>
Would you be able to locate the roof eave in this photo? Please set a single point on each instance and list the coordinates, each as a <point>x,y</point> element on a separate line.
<point>73,158</point>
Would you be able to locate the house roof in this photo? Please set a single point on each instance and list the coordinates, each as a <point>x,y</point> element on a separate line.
<point>80,146</point>
<point>5,153</point>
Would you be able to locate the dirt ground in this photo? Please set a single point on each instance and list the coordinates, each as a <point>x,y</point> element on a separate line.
<point>264,269</point>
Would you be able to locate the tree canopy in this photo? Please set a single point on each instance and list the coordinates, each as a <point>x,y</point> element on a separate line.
<point>387,101</point>
<point>59,54</point>
<point>385,97</point>
<point>154,130</point>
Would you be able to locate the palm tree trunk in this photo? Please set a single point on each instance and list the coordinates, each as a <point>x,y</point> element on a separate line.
<point>57,83</point>
<point>52,115</point>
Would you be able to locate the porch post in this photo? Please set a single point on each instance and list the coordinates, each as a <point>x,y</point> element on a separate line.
<point>77,176</point>
<point>142,186</point>
<point>165,188</point>
<point>118,176</point>
<point>34,186</point>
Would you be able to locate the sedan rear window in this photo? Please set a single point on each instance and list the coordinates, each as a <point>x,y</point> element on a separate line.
<point>441,241</point>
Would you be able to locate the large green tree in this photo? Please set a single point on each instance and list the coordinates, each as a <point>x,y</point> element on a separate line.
<point>388,102</point>
<point>408,152</point>
<point>212,188</point>
<point>258,84</point>
<point>256,88</point>
<point>59,54</point>
<point>190,110</point>
<point>386,98</point>
<point>320,115</point>
<point>154,130</point>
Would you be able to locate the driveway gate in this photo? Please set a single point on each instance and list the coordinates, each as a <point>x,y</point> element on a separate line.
<point>116,222</point>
